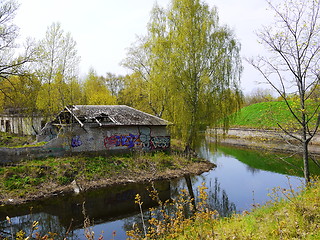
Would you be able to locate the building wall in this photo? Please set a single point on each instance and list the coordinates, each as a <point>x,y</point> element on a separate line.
<point>113,138</point>
<point>20,125</point>
<point>101,140</point>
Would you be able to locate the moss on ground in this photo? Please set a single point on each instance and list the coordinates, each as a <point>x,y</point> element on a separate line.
<point>13,140</point>
<point>37,178</point>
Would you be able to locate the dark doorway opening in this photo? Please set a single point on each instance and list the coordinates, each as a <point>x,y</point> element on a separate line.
<point>8,126</point>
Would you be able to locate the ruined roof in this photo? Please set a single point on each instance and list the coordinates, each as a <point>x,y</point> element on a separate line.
<point>111,115</point>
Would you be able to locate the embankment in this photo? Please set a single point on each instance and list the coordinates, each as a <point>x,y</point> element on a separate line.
<point>261,139</point>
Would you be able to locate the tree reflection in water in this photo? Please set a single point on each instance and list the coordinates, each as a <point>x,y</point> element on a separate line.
<point>217,200</point>
<point>47,223</point>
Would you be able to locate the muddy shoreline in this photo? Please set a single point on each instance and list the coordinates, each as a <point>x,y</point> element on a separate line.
<point>52,190</point>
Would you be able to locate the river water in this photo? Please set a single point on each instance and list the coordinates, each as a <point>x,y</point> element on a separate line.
<point>233,186</point>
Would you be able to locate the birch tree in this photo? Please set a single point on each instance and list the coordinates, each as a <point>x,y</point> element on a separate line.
<point>292,68</point>
<point>57,67</point>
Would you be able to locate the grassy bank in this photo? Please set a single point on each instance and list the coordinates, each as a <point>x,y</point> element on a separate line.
<point>293,216</point>
<point>296,217</point>
<point>266,115</point>
<point>39,178</point>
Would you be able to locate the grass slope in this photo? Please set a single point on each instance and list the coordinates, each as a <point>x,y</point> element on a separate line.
<point>263,115</point>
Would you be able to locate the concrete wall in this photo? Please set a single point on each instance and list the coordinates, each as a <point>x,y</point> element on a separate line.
<point>20,124</point>
<point>13,155</point>
<point>95,140</point>
<point>114,138</point>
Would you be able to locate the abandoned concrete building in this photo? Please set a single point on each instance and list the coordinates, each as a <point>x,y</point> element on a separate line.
<point>14,121</point>
<point>97,128</point>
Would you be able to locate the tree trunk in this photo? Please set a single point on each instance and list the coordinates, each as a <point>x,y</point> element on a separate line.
<point>306,161</point>
<point>190,190</point>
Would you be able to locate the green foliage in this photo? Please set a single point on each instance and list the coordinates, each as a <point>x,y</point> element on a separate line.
<point>96,91</point>
<point>188,66</point>
<point>11,63</point>
<point>23,177</point>
<point>57,63</point>
<point>12,140</point>
<point>19,92</point>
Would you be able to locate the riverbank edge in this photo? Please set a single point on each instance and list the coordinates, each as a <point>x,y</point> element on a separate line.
<point>295,216</point>
<point>260,139</point>
<point>75,187</point>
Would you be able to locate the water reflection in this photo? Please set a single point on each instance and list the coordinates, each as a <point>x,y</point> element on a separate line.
<point>217,196</point>
<point>63,213</point>
<point>219,200</point>
<point>252,170</point>
<point>233,186</point>
<point>244,186</point>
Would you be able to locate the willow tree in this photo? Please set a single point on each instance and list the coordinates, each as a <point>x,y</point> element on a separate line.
<point>191,66</point>
<point>147,88</point>
<point>292,68</point>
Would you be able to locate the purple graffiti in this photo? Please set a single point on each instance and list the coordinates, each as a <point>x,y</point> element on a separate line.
<point>144,140</point>
<point>76,142</point>
<point>122,140</point>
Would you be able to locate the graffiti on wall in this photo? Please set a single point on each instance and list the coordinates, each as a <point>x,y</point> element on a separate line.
<point>160,142</point>
<point>129,141</point>
<point>76,142</point>
<point>143,140</point>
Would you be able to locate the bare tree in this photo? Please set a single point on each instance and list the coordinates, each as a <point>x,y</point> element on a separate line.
<point>9,63</point>
<point>292,68</point>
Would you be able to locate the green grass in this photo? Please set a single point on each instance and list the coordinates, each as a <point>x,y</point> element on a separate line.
<point>36,144</point>
<point>13,140</point>
<point>32,176</point>
<point>266,115</point>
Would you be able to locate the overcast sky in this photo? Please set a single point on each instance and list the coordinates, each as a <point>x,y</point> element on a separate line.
<point>104,29</point>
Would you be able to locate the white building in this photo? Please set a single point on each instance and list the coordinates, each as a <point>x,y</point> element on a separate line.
<point>20,124</point>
